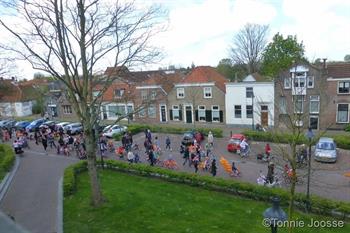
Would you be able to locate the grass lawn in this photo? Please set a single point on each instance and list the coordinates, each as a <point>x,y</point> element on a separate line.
<point>140,204</point>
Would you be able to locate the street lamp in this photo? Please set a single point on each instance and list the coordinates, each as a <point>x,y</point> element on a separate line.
<point>274,214</point>
<point>310,136</point>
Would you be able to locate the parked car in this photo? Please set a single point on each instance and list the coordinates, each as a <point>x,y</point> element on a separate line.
<point>73,128</point>
<point>22,124</point>
<point>189,137</point>
<point>2,122</point>
<point>62,125</point>
<point>326,150</point>
<point>234,142</point>
<point>114,129</point>
<point>8,124</point>
<point>35,125</point>
<point>48,124</point>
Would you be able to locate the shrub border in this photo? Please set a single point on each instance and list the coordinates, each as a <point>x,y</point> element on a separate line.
<point>321,206</point>
<point>9,157</point>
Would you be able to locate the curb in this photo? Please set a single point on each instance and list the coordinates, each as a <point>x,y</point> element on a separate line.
<point>60,206</point>
<point>8,179</point>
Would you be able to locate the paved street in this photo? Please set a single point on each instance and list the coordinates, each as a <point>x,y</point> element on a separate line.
<point>32,196</point>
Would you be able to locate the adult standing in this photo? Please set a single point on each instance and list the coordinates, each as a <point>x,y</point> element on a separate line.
<point>151,157</point>
<point>44,141</point>
<point>213,167</point>
<point>270,172</point>
<point>210,138</point>
<point>186,157</point>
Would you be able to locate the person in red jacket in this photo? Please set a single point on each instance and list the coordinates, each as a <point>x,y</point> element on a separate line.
<point>267,150</point>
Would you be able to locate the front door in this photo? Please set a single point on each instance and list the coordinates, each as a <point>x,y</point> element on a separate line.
<point>188,110</point>
<point>162,113</point>
<point>264,116</point>
<point>314,122</point>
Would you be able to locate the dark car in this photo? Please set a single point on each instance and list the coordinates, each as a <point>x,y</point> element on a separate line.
<point>189,137</point>
<point>34,125</point>
<point>22,124</point>
<point>48,124</point>
<point>8,124</point>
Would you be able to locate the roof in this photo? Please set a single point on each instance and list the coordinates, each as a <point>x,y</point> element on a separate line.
<point>165,80</point>
<point>17,92</point>
<point>205,74</point>
<point>338,69</point>
<point>255,77</point>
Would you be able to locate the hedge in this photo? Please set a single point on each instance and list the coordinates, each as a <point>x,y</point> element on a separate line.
<point>247,190</point>
<point>342,141</point>
<point>7,157</point>
<point>137,128</point>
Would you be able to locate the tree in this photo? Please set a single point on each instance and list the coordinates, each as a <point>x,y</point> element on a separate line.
<point>248,45</point>
<point>347,58</point>
<point>230,70</point>
<point>72,40</point>
<point>280,54</point>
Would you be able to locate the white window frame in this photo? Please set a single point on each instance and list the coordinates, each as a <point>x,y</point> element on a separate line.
<point>142,112</point>
<point>338,88</point>
<point>313,81</point>
<point>287,80</point>
<point>153,95</point>
<point>217,109</point>
<point>318,120</point>
<point>176,108</point>
<point>314,100</point>
<point>234,111</point>
<point>302,103</point>
<point>207,90</point>
<point>67,107</point>
<point>95,93</point>
<point>122,92</point>
<point>249,92</point>
<point>345,122</point>
<point>246,111</point>
<point>152,106</point>
<point>180,92</point>
<point>144,94</point>
<point>201,108</point>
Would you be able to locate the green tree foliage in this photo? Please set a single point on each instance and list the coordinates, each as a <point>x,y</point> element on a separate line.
<point>280,54</point>
<point>230,70</point>
<point>347,58</point>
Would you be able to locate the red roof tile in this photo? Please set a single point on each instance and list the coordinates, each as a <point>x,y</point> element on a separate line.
<point>205,74</point>
<point>339,70</point>
<point>16,92</point>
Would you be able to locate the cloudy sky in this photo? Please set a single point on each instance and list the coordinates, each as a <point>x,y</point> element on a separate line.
<point>201,31</point>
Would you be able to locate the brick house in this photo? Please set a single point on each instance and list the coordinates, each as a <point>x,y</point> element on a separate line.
<point>199,97</point>
<point>300,97</point>
<point>152,96</point>
<point>338,80</point>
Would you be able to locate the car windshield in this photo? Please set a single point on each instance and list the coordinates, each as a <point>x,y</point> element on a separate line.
<point>235,141</point>
<point>325,146</point>
<point>188,135</point>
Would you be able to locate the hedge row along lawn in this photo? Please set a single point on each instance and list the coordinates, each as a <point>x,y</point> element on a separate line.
<point>141,204</point>
<point>7,159</point>
<point>342,141</point>
<point>137,128</point>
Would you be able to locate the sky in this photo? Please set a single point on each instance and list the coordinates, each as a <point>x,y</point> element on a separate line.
<point>202,31</point>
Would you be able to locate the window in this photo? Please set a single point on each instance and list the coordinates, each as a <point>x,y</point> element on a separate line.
<point>264,108</point>
<point>343,113</point>
<point>153,95</point>
<point>238,111</point>
<point>287,83</point>
<point>180,93</point>
<point>95,93</point>
<point>298,103</point>
<point>176,113</point>
<point>299,82</point>
<point>215,113</point>
<point>142,112</point>
<point>144,95</point>
<point>116,110</point>
<point>207,92</point>
<point>201,113</point>
<point>283,105</point>
<point>314,104</point>
<point>343,87</point>
<point>119,93</point>
<point>249,111</point>
<point>249,92</point>
<point>310,81</point>
<point>67,109</point>
<point>152,111</point>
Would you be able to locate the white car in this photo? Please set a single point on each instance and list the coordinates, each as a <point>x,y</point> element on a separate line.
<point>62,124</point>
<point>114,129</point>
<point>73,128</point>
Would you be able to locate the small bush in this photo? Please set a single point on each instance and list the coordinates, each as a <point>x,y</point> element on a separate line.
<point>69,177</point>
<point>7,157</point>
<point>342,141</point>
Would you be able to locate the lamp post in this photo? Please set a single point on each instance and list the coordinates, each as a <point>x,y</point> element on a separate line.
<point>310,136</point>
<point>274,214</point>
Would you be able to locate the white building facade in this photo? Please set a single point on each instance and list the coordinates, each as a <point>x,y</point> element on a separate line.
<point>250,102</point>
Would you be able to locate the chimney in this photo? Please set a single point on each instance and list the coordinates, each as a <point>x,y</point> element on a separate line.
<point>324,63</point>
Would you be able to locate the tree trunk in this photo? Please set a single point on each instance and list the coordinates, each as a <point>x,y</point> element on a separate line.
<point>96,194</point>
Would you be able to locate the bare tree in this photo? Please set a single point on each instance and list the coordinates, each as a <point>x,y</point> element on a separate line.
<point>248,45</point>
<point>71,40</point>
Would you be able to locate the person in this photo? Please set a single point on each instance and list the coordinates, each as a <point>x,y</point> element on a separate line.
<point>195,162</point>
<point>210,138</point>
<point>213,167</point>
<point>17,147</point>
<point>243,147</point>
<point>36,136</point>
<point>235,171</point>
<point>186,156</point>
<point>267,150</point>
<point>44,142</point>
<point>156,142</point>
<point>131,156</point>
<point>137,157</point>
<point>120,151</point>
<point>151,157</point>
<point>51,140</point>
<point>270,172</point>
<point>167,143</point>
<point>198,136</point>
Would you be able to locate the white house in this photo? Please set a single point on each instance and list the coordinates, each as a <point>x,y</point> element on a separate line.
<point>250,102</point>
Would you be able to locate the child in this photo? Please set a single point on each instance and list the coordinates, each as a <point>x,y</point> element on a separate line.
<point>235,171</point>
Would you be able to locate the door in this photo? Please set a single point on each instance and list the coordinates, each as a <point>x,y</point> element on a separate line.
<point>188,112</point>
<point>264,116</point>
<point>314,122</point>
<point>162,113</point>
<point>53,110</point>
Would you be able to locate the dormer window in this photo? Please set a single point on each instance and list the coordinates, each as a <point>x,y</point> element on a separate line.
<point>207,92</point>
<point>118,93</point>
<point>180,93</point>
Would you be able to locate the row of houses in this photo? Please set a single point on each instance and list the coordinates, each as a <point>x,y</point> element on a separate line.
<point>319,94</point>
